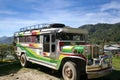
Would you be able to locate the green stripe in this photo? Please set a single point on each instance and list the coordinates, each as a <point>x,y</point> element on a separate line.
<point>33,54</point>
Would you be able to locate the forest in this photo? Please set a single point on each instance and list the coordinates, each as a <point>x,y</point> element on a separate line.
<point>103,32</point>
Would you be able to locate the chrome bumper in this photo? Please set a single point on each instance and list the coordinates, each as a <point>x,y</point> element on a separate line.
<point>97,74</point>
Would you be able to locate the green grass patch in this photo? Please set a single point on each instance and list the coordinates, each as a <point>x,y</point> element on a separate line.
<point>116,63</point>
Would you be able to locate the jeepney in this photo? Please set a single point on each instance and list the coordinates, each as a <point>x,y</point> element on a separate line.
<point>63,48</point>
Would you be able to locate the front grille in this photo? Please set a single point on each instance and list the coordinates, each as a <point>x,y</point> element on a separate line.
<point>95,52</point>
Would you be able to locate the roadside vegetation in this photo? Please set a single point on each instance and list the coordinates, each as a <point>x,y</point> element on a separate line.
<point>7,54</point>
<point>116,63</point>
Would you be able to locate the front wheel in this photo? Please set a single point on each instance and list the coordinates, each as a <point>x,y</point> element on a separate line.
<point>70,71</point>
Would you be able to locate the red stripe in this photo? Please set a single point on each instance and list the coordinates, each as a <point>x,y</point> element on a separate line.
<point>80,55</point>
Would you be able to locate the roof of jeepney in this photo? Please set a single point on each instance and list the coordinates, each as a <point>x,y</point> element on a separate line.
<point>52,30</point>
<point>74,30</point>
<point>48,28</point>
<point>64,30</point>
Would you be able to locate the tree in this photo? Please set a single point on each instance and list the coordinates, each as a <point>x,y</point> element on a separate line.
<point>6,49</point>
<point>3,48</point>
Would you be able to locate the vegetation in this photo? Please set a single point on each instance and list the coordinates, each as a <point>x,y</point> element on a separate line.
<point>6,49</point>
<point>102,32</point>
<point>116,61</point>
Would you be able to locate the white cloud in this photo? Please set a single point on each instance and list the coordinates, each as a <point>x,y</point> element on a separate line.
<point>111,5</point>
<point>52,5</point>
<point>8,12</point>
<point>9,26</point>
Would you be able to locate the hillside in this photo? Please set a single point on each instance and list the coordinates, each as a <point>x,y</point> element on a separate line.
<point>103,32</point>
<point>6,40</point>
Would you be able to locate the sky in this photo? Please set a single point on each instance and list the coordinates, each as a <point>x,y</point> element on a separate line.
<point>16,14</point>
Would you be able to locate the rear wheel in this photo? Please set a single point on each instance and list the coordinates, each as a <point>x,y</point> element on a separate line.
<point>24,61</point>
<point>70,72</point>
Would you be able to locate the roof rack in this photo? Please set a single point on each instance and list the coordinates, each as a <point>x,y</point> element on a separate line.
<point>43,26</point>
<point>33,27</point>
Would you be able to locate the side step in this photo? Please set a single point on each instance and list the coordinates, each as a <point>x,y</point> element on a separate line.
<point>44,63</point>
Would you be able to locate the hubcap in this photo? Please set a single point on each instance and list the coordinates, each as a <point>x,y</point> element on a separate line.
<point>68,72</point>
<point>22,60</point>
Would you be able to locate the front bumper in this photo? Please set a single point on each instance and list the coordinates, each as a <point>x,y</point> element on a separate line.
<point>100,73</point>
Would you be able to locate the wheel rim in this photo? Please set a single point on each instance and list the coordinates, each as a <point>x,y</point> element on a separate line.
<point>22,60</point>
<point>68,72</point>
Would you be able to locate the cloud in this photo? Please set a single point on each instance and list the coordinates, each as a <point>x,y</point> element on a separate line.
<point>11,25</point>
<point>111,5</point>
<point>100,17</point>
<point>56,11</point>
<point>52,4</point>
<point>8,12</point>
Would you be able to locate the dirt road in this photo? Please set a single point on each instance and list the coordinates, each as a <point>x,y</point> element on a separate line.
<point>33,73</point>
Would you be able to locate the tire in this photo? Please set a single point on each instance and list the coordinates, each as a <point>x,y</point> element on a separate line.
<point>70,72</point>
<point>23,61</point>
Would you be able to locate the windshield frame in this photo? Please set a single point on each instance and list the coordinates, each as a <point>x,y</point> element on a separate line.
<point>71,36</point>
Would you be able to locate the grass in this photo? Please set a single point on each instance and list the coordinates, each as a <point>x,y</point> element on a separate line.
<point>116,63</point>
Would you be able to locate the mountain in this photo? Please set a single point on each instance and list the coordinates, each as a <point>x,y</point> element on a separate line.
<point>6,40</point>
<point>103,32</point>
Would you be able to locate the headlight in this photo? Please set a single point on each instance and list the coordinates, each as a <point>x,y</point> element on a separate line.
<point>86,51</point>
<point>90,62</point>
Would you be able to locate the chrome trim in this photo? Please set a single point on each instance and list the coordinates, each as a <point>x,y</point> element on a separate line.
<point>97,74</point>
<point>44,63</point>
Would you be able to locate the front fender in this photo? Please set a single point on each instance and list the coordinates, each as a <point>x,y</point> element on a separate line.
<point>81,63</point>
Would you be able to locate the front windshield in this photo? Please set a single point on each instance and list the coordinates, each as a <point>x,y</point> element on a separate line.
<point>71,36</point>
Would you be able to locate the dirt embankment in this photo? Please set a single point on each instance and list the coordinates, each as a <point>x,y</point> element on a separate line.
<point>34,73</point>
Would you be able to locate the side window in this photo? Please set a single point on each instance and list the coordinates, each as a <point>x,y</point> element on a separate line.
<point>27,39</point>
<point>82,37</point>
<point>53,43</point>
<point>46,38</point>
<point>35,39</point>
<point>20,39</point>
<point>53,38</point>
<point>32,39</point>
<point>46,45</point>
